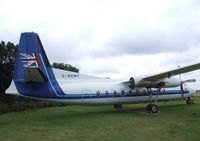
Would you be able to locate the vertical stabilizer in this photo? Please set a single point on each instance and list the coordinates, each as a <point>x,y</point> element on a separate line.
<point>33,75</point>
<point>31,57</point>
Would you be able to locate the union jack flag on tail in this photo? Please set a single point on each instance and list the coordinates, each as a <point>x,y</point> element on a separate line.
<point>31,61</point>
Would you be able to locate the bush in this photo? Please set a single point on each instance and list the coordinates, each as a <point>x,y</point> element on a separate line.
<point>12,103</point>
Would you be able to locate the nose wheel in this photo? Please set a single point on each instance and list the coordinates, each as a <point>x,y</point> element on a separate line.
<point>152,108</point>
<point>189,101</point>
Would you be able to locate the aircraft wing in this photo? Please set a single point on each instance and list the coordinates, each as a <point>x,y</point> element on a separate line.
<point>171,73</point>
<point>162,79</point>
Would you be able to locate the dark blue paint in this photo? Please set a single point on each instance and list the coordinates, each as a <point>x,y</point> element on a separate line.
<point>29,44</point>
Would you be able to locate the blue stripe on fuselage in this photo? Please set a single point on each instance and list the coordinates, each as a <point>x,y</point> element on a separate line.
<point>110,95</point>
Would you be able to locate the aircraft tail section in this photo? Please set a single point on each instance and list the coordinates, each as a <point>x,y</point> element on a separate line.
<point>31,61</point>
<point>33,75</point>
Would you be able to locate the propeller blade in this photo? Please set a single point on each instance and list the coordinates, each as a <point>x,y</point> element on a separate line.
<point>189,81</point>
<point>182,90</point>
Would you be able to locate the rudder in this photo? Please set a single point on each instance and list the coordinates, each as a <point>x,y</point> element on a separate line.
<point>33,75</point>
<point>31,59</point>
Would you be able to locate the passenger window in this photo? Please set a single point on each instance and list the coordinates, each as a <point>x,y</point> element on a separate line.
<point>163,90</point>
<point>106,92</point>
<point>122,92</point>
<point>130,92</point>
<point>115,93</point>
<point>98,93</point>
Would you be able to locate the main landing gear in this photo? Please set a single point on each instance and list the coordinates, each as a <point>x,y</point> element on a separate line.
<point>152,108</point>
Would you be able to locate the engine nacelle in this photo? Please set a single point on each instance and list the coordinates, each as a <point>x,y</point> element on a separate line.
<point>163,83</point>
<point>169,82</point>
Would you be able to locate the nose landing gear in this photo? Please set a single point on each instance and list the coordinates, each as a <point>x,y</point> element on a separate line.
<point>189,101</point>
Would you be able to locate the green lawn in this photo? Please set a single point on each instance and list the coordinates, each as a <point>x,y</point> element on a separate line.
<point>176,121</point>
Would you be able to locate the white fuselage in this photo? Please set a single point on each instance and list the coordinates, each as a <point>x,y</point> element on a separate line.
<point>103,92</point>
<point>90,90</point>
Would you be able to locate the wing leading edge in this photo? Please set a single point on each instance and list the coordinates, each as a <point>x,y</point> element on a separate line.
<point>171,73</point>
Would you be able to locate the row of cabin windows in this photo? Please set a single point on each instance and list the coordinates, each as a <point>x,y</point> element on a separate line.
<point>114,92</point>
<point>123,92</point>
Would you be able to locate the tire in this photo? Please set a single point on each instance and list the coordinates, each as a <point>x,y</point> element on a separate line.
<point>152,108</point>
<point>148,108</point>
<point>189,101</point>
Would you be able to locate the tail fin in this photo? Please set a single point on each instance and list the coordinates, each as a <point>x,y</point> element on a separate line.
<point>31,61</point>
<point>33,75</point>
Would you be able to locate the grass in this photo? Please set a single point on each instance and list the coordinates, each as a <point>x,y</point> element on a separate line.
<point>176,121</point>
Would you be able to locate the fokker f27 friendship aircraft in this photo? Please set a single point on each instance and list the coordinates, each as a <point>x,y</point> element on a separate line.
<point>33,77</point>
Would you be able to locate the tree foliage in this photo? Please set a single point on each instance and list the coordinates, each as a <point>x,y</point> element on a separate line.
<point>7,60</point>
<point>67,67</point>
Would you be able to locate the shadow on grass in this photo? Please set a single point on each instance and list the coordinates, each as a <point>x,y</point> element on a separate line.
<point>128,110</point>
<point>135,110</point>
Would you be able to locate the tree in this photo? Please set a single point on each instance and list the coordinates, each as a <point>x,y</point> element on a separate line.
<point>7,60</point>
<point>67,67</point>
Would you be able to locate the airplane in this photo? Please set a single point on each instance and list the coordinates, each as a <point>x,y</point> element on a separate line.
<point>35,78</point>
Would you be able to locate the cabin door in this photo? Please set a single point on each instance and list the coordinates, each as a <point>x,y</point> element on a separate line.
<point>86,96</point>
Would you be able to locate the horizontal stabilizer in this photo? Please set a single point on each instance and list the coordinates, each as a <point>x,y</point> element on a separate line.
<point>34,74</point>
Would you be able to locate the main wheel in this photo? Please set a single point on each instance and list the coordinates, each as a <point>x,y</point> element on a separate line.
<point>152,108</point>
<point>148,108</point>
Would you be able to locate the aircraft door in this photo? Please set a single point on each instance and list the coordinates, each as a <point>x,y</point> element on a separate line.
<point>86,96</point>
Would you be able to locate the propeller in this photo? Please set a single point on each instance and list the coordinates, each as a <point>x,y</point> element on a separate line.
<point>182,82</point>
<point>182,90</point>
<point>181,85</point>
<point>189,81</point>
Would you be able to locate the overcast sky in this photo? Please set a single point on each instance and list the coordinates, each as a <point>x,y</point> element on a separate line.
<point>110,38</point>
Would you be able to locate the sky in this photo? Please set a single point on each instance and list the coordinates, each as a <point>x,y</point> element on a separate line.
<point>110,38</point>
